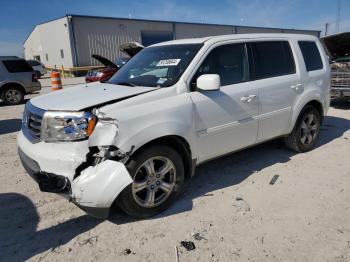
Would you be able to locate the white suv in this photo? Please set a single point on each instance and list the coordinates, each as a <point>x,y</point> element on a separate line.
<point>135,139</point>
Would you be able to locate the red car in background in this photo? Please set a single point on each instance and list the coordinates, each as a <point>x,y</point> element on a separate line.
<point>103,74</point>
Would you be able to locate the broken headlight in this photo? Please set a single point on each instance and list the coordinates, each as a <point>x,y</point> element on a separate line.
<point>67,126</point>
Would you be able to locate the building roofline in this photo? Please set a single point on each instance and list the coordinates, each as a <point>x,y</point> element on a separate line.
<point>164,21</point>
<point>191,23</point>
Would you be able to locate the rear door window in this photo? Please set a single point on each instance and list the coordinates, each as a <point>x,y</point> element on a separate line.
<point>17,66</point>
<point>272,58</point>
<point>311,54</point>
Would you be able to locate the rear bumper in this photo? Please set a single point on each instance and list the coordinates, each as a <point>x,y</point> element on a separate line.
<point>36,86</point>
<point>89,79</point>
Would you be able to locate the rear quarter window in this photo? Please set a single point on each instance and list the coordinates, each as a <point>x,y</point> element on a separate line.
<point>311,54</point>
<point>17,66</point>
<point>272,58</point>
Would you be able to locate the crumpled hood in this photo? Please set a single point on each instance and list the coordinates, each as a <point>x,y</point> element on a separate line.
<point>86,95</point>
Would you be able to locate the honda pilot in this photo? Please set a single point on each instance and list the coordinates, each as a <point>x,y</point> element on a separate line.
<point>136,138</point>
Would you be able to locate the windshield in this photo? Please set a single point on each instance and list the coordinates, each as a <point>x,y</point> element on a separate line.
<point>156,66</point>
<point>121,61</point>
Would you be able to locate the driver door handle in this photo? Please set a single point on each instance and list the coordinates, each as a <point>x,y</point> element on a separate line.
<point>296,87</point>
<point>248,99</point>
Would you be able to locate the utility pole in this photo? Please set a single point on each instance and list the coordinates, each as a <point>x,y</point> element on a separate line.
<point>338,18</point>
<point>326,25</point>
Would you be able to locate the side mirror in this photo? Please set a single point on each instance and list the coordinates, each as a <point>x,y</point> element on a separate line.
<point>209,82</point>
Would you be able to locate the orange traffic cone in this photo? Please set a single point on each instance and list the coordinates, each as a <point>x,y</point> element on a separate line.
<point>56,83</point>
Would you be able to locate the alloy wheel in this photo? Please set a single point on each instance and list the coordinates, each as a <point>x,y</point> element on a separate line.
<point>309,129</point>
<point>13,96</point>
<point>154,181</point>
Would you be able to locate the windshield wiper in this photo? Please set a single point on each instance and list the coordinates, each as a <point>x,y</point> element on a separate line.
<point>125,84</point>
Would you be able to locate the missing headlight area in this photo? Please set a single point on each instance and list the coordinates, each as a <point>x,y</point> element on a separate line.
<point>99,154</point>
<point>105,131</point>
<point>113,153</point>
<point>101,142</point>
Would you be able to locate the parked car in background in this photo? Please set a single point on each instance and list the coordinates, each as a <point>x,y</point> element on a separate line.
<point>17,78</point>
<point>135,139</point>
<point>103,74</point>
<point>38,67</point>
<point>338,47</point>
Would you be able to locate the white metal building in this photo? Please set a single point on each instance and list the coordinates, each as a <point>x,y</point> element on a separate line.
<point>70,41</point>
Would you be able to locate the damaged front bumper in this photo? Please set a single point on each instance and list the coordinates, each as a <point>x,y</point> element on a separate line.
<point>94,189</point>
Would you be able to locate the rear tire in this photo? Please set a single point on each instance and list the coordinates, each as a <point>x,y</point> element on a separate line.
<point>158,174</point>
<point>12,95</point>
<point>306,131</point>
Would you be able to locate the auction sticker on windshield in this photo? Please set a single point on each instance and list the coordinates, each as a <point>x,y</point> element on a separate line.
<point>169,62</point>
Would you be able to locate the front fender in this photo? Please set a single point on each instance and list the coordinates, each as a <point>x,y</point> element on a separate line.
<point>154,131</point>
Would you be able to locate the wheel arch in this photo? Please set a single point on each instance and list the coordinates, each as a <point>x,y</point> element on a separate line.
<point>316,103</point>
<point>319,107</point>
<point>7,84</point>
<point>292,139</point>
<point>180,144</point>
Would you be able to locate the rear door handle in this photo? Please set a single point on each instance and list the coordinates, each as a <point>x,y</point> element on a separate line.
<point>248,99</point>
<point>296,87</point>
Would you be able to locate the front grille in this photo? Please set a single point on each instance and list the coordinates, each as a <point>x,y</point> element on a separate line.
<point>31,122</point>
<point>340,79</point>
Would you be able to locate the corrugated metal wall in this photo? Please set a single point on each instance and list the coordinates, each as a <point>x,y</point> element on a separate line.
<point>104,36</point>
<point>183,31</point>
<point>106,45</point>
<point>87,35</point>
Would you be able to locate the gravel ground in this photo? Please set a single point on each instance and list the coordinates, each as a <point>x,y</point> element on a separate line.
<point>228,210</point>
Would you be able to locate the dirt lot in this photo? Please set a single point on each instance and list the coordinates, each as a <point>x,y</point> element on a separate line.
<point>304,216</point>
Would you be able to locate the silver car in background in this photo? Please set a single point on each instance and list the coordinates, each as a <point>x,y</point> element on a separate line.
<point>17,78</point>
<point>38,67</point>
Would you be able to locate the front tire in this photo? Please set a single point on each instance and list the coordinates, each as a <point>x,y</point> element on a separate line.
<point>158,174</point>
<point>306,131</point>
<point>12,95</point>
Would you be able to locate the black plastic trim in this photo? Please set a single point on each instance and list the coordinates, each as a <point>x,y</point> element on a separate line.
<point>97,212</point>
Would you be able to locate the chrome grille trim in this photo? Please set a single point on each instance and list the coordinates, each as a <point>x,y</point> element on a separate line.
<point>31,122</point>
<point>340,79</point>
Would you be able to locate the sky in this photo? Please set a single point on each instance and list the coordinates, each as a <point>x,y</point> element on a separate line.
<point>19,17</point>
